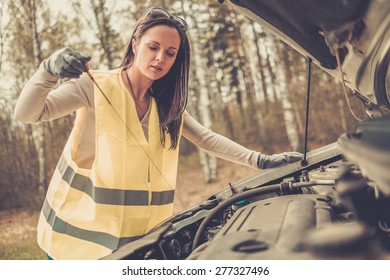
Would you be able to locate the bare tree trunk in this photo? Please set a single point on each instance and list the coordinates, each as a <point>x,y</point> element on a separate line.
<point>259,65</point>
<point>104,30</point>
<point>33,25</point>
<point>219,110</point>
<point>41,129</point>
<point>208,162</point>
<point>2,38</point>
<point>100,24</point>
<point>287,106</point>
<point>250,112</point>
<point>270,67</point>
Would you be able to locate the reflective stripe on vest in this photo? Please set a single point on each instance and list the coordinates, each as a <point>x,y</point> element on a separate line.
<point>88,214</point>
<point>111,196</point>
<point>102,238</point>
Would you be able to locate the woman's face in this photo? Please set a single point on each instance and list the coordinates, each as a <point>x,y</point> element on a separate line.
<point>156,51</point>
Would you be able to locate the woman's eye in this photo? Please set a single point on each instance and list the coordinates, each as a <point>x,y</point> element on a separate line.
<point>153,48</point>
<point>171,54</point>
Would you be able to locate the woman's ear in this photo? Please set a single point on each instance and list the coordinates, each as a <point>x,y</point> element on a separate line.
<point>134,46</point>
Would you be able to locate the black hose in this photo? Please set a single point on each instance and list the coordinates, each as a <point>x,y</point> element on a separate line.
<point>228,202</point>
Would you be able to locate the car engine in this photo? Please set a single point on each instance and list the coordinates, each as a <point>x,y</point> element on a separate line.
<point>337,206</point>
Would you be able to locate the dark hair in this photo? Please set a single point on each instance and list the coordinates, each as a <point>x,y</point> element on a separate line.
<point>170,91</point>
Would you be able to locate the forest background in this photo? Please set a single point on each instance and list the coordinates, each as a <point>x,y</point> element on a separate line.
<point>244,84</point>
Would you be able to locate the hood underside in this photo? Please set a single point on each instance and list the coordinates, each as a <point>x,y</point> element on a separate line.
<point>358,30</point>
<point>306,21</point>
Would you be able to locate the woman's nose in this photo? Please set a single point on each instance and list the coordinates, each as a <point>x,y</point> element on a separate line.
<point>160,57</point>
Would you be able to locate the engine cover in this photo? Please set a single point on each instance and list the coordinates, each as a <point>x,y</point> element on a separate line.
<point>274,228</point>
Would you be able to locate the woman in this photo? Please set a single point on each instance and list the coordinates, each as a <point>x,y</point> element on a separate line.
<point>116,177</point>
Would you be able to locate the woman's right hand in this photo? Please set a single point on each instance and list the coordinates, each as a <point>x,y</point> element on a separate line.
<point>66,63</point>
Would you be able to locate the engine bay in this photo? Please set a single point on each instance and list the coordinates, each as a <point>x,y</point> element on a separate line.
<point>313,224</point>
<point>335,207</point>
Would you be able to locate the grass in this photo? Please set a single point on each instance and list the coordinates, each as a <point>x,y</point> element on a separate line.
<point>25,250</point>
<point>18,236</point>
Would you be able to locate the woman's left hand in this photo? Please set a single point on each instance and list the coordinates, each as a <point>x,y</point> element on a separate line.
<point>270,161</point>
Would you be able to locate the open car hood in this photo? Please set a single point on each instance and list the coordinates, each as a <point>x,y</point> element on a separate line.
<point>358,29</point>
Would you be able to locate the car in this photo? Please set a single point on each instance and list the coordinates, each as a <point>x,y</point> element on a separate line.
<point>335,203</point>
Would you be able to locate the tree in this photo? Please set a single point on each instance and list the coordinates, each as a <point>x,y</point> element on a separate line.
<point>33,34</point>
<point>200,105</point>
<point>98,17</point>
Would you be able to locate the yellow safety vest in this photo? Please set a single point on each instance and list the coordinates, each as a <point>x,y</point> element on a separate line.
<point>89,213</point>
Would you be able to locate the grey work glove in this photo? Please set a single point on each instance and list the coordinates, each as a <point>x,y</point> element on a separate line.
<point>66,63</point>
<point>269,161</point>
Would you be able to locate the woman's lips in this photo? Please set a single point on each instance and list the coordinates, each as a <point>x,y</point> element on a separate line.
<point>157,68</point>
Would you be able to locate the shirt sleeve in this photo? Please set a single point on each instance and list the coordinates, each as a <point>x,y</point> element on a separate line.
<point>38,102</point>
<point>216,144</point>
